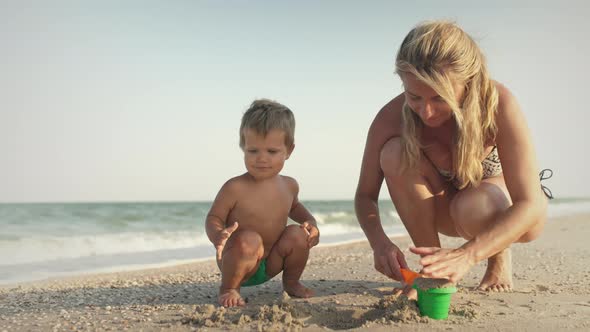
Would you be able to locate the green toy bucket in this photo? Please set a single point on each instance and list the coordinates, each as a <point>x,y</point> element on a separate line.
<point>435,302</point>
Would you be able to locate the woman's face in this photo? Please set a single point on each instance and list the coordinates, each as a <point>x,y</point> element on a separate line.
<point>426,103</point>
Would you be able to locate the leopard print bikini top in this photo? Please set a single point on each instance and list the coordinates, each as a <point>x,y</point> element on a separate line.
<point>491,166</point>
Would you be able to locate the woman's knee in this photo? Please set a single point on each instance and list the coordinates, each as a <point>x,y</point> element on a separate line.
<point>245,241</point>
<point>390,157</point>
<point>534,233</point>
<point>473,208</point>
<point>539,225</point>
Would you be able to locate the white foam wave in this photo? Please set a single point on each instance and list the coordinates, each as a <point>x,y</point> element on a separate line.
<point>39,248</point>
<point>42,248</point>
<point>323,218</point>
<point>338,229</point>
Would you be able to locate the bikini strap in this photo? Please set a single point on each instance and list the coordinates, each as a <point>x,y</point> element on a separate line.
<point>545,174</point>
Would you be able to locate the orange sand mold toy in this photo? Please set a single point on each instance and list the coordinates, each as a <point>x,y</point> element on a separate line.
<point>409,276</point>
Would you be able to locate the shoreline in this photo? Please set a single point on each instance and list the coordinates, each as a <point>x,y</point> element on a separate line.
<point>156,266</point>
<point>550,276</point>
<point>71,262</point>
<point>164,264</point>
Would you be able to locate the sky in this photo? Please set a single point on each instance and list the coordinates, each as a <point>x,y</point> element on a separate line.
<point>114,101</point>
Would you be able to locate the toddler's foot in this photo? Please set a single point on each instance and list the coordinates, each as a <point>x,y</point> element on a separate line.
<point>297,289</point>
<point>230,298</point>
<point>498,276</point>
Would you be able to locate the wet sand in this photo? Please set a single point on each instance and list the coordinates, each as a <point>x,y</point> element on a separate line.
<point>550,276</point>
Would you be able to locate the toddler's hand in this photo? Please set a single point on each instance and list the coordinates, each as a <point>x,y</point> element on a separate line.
<point>223,236</point>
<point>313,234</point>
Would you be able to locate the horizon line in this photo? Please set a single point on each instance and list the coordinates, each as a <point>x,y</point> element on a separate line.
<point>570,198</point>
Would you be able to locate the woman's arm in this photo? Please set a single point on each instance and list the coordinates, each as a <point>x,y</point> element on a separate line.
<point>387,256</point>
<point>521,222</point>
<point>519,165</point>
<point>385,126</point>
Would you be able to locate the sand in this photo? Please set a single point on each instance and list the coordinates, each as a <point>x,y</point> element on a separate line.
<point>550,274</point>
<point>428,283</point>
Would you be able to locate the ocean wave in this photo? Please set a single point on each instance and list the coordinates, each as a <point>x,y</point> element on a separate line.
<point>39,248</point>
<point>39,242</point>
<point>349,217</point>
<point>323,218</point>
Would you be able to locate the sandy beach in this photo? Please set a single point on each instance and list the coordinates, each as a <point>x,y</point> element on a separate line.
<point>550,274</point>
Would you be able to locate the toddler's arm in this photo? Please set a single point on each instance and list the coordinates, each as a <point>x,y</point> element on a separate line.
<point>215,225</point>
<point>301,215</point>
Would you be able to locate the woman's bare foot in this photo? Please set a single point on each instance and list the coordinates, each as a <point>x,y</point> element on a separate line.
<point>297,289</point>
<point>230,298</point>
<point>498,276</point>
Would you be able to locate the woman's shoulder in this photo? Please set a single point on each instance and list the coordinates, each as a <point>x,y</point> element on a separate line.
<point>390,116</point>
<point>394,106</point>
<point>506,100</point>
<point>509,113</point>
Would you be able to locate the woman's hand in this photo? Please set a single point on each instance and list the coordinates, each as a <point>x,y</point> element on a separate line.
<point>388,260</point>
<point>313,234</point>
<point>451,264</point>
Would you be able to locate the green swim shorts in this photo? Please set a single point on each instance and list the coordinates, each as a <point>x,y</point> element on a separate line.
<point>259,277</point>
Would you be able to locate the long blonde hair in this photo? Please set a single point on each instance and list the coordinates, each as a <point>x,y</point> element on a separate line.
<point>439,53</point>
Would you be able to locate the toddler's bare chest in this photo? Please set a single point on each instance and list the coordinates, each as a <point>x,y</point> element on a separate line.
<point>263,209</point>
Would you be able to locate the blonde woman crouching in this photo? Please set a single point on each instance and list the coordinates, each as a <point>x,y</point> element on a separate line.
<point>458,159</point>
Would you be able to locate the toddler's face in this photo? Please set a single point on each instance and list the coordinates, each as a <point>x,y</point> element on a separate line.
<point>265,156</point>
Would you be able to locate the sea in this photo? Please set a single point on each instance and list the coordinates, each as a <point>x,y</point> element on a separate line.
<point>48,240</point>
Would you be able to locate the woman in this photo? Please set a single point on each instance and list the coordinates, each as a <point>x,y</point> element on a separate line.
<point>438,146</point>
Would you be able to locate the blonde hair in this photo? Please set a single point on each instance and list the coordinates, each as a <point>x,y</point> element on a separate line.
<point>439,53</point>
<point>263,115</point>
